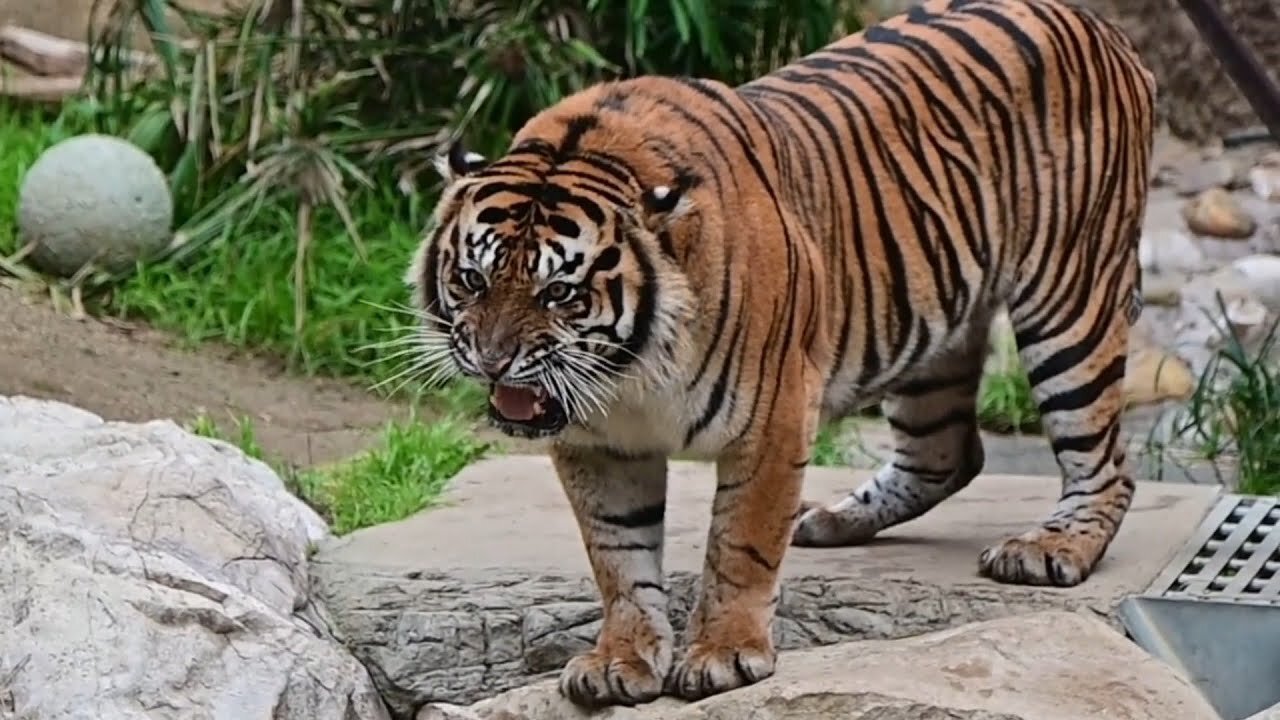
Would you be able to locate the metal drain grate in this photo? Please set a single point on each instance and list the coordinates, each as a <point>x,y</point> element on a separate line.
<point>1233,556</point>
<point>1213,613</point>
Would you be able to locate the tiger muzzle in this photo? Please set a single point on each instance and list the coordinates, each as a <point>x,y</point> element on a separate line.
<point>519,409</point>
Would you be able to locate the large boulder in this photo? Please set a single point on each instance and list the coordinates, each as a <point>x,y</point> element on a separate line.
<point>146,572</point>
<point>1051,665</point>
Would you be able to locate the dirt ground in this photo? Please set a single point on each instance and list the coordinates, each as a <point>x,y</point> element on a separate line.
<point>137,374</point>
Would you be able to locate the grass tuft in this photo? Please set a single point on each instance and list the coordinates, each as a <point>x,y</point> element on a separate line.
<point>402,475</point>
<point>246,438</point>
<point>1005,404</point>
<point>828,447</point>
<point>1235,409</point>
<point>25,132</point>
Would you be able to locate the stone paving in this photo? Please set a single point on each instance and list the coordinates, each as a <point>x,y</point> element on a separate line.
<point>491,589</point>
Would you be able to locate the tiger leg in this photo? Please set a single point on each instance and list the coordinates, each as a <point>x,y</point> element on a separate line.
<point>619,503</point>
<point>1076,363</point>
<point>937,451</point>
<point>758,485</point>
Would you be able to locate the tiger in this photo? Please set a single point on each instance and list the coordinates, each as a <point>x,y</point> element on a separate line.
<point>662,266</point>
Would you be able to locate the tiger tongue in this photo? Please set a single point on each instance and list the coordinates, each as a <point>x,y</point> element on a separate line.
<point>516,403</point>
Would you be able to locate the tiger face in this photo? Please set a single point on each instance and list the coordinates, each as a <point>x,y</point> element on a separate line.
<point>541,281</point>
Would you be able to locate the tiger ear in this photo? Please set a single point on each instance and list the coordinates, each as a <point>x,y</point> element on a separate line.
<point>457,162</point>
<point>664,204</point>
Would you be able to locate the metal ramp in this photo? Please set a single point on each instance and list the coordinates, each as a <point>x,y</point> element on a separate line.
<point>1213,613</point>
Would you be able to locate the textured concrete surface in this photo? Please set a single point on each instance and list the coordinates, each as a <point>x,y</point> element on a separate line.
<point>1030,667</point>
<point>492,589</point>
<point>509,512</point>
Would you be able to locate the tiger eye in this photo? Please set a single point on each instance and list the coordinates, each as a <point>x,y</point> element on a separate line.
<point>557,292</point>
<point>471,279</point>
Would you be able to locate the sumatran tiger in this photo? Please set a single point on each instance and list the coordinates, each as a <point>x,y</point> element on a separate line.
<point>670,266</point>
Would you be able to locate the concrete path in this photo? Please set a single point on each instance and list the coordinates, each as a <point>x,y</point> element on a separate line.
<point>509,512</point>
<point>492,588</point>
<point>1029,454</point>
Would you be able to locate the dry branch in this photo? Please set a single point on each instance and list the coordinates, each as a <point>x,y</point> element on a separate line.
<point>52,56</point>
<point>40,89</point>
<point>42,54</point>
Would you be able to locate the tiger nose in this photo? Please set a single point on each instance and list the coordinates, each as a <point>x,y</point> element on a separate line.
<point>494,364</point>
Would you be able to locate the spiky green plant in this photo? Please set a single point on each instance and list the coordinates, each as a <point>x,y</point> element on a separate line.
<point>1235,408</point>
<point>314,104</point>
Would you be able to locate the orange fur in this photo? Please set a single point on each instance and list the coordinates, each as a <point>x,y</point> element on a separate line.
<point>681,266</point>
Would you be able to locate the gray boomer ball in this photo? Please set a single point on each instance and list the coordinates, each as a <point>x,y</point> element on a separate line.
<point>93,198</point>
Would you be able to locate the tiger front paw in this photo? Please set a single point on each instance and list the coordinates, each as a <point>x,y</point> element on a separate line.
<point>1041,557</point>
<point>597,679</point>
<point>710,669</point>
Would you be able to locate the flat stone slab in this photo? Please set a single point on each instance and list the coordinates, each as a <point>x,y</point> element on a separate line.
<point>1047,665</point>
<point>492,589</point>
<point>509,513</point>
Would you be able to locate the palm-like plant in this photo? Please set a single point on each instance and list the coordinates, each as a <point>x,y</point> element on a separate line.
<point>307,101</point>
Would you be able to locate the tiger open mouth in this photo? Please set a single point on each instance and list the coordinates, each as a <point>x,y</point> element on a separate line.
<point>525,411</point>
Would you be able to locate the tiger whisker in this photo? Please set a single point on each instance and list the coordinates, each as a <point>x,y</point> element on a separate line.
<point>432,362</point>
<point>588,381</point>
<point>598,364</point>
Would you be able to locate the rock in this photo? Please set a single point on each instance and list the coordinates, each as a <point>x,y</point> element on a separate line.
<point>1264,177</point>
<point>1216,213</point>
<point>1161,289</point>
<point>93,198</point>
<point>1169,251</point>
<point>1195,175</point>
<point>1261,275</point>
<point>1153,376</point>
<point>1201,330</point>
<point>1051,665</point>
<point>1268,237</point>
<point>148,572</point>
<point>446,711</point>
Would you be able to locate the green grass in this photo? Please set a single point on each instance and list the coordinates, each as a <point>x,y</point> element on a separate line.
<point>245,438</point>
<point>24,134</point>
<point>1235,411</point>
<point>240,289</point>
<point>402,474</point>
<point>1005,403</point>
<point>828,449</point>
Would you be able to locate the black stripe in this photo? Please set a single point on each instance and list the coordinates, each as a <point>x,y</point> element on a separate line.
<point>575,128</point>
<point>754,554</point>
<point>953,418</point>
<point>1082,396</point>
<point>641,517</point>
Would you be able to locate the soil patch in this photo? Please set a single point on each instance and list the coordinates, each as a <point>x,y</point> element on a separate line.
<point>134,373</point>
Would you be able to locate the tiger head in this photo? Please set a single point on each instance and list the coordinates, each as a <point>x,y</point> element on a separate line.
<point>548,275</point>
